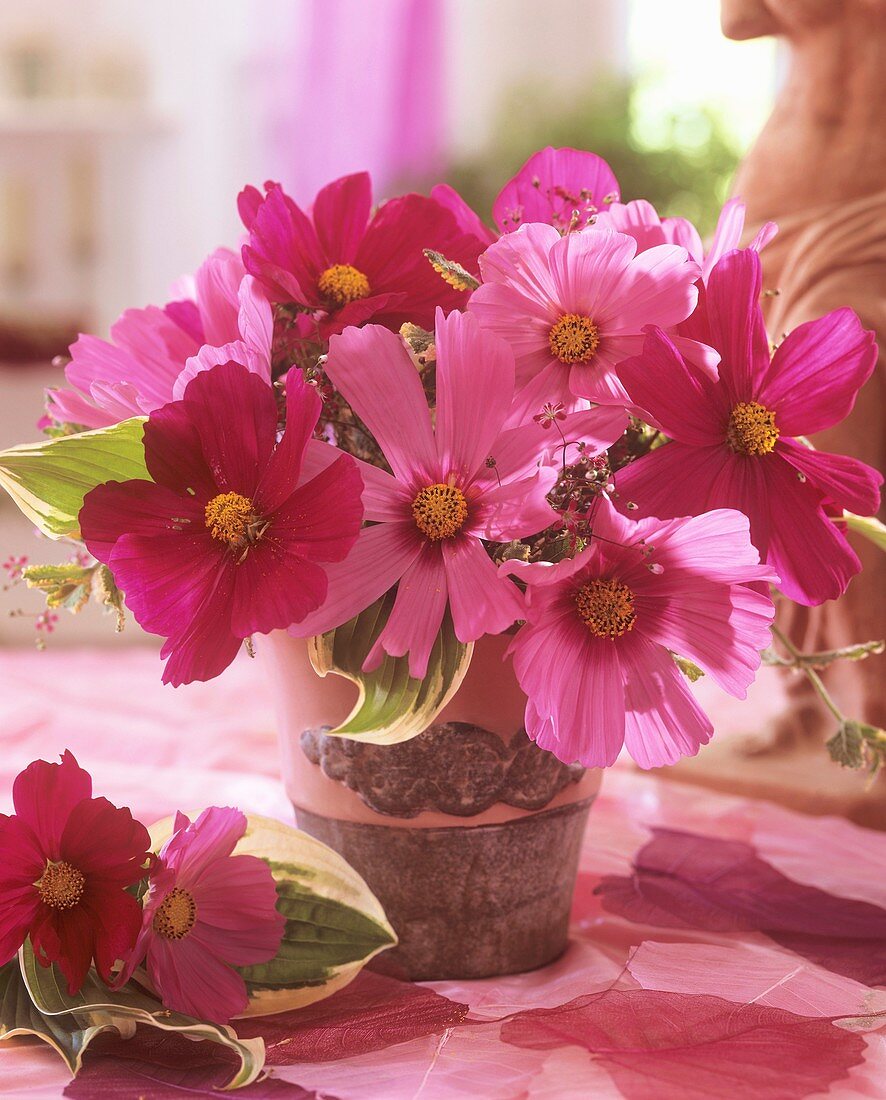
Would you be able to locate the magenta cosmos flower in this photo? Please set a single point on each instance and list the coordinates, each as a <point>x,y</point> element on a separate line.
<point>349,265</point>
<point>467,481</point>
<point>573,307</point>
<point>733,441</point>
<point>135,372</point>
<point>595,656</point>
<point>566,188</point>
<point>67,859</point>
<point>206,912</point>
<point>225,541</point>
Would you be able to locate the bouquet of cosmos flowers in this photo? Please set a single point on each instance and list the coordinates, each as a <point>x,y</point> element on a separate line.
<point>395,431</point>
<point>181,928</point>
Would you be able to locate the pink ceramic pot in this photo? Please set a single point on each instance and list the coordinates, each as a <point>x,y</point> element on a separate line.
<point>468,834</point>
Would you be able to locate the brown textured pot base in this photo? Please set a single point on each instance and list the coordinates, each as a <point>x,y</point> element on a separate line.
<point>467,902</point>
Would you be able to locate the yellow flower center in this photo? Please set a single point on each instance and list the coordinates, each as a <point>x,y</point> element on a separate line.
<point>606,607</point>
<point>176,915</point>
<point>342,283</point>
<point>752,429</point>
<point>440,511</point>
<point>574,338</point>
<point>230,517</point>
<point>61,886</point>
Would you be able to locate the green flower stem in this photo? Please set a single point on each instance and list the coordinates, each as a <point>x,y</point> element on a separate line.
<point>810,674</point>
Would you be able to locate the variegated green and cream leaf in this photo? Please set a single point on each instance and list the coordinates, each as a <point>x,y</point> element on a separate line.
<point>48,480</point>
<point>391,706</point>
<point>70,1023</point>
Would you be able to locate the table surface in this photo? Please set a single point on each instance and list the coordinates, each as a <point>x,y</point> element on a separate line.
<point>721,947</point>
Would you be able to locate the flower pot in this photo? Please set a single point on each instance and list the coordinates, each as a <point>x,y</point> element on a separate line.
<point>468,834</point>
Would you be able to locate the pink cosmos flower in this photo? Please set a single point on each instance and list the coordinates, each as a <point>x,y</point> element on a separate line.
<point>206,912</point>
<point>573,307</point>
<point>136,371</point>
<point>640,220</point>
<point>595,656</point>
<point>566,188</point>
<point>225,541</point>
<point>67,860</point>
<point>351,266</point>
<point>467,480</point>
<point>733,440</point>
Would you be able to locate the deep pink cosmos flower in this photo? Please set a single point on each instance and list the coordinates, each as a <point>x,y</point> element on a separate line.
<point>733,441</point>
<point>593,657</point>
<point>573,307</point>
<point>66,860</point>
<point>206,912</point>
<point>467,480</point>
<point>135,372</point>
<point>224,542</point>
<point>349,265</point>
<point>566,188</point>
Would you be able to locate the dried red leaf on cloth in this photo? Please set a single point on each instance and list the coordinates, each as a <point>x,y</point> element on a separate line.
<point>682,880</point>
<point>662,1045</point>
<point>164,1066</point>
<point>758,973</point>
<point>372,1013</point>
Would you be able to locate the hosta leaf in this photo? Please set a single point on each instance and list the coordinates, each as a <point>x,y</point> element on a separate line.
<point>334,923</point>
<point>71,1023</point>
<point>48,480</point>
<point>19,1016</point>
<point>392,706</point>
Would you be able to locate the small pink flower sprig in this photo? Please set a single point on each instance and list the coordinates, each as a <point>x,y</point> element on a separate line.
<point>71,585</point>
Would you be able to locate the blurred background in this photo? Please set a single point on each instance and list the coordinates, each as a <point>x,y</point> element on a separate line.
<point>127,129</point>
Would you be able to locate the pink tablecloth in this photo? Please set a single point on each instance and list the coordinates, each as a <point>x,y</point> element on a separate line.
<point>721,947</point>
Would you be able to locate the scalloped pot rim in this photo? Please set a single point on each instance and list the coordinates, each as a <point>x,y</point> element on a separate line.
<point>488,697</point>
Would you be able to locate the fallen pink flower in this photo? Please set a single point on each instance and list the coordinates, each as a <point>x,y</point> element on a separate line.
<point>206,912</point>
